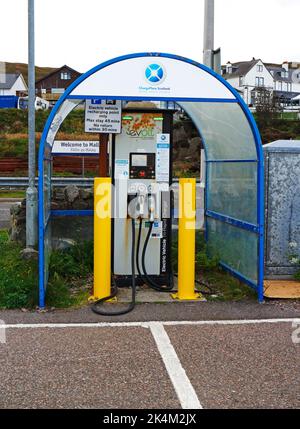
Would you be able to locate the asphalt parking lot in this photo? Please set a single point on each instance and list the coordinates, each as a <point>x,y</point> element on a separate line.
<point>75,360</point>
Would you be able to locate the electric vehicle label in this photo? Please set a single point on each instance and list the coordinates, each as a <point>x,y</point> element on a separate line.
<point>121,169</point>
<point>103,116</point>
<point>157,230</point>
<point>162,157</point>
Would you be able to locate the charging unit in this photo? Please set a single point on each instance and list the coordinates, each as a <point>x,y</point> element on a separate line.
<point>141,170</point>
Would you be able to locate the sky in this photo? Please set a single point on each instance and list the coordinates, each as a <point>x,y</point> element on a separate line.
<point>85,33</point>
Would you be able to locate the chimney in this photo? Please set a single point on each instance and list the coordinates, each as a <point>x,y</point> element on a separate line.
<point>229,67</point>
<point>285,65</point>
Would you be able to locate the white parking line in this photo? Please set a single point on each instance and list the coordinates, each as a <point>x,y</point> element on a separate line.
<point>180,381</point>
<point>182,385</point>
<point>148,324</point>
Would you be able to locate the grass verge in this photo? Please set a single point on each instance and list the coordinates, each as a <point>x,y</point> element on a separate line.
<point>71,277</point>
<point>68,286</point>
<point>12,194</point>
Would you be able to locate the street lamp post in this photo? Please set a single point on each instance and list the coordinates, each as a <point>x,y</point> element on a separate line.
<point>208,44</point>
<point>31,193</point>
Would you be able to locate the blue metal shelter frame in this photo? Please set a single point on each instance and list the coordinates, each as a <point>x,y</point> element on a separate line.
<point>235,231</point>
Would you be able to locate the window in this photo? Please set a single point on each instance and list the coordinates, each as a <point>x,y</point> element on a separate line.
<point>57,90</point>
<point>65,75</point>
<point>260,68</point>
<point>259,81</point>
<point>285,74</point>
<point>241,81</point>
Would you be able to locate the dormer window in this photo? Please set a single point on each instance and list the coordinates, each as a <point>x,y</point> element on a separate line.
<point>65,75</point>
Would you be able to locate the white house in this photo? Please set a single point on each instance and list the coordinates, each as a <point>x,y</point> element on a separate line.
<point>12,84</point>
<point>247,77</point>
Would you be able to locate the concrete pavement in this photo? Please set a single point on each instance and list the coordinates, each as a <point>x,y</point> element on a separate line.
<point>233,355</point>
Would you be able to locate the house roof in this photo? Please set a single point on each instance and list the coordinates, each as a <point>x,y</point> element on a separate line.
<point>8,80</point>
<point>242,68</point>
<point>56,71</point>
<point>285,94</point>
<point>277,70</point>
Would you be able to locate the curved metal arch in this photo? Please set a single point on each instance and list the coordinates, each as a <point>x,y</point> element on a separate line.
<point>239,100</point>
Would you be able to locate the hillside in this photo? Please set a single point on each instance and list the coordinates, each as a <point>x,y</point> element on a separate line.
<point>23,68</point>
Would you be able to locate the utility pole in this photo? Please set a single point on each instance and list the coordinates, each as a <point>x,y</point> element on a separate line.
<point>211,57</point>
<point>209,33</point>
<point>31,193</point>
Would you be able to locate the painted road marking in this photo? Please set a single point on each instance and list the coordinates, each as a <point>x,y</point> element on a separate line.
<point>148,324</point>
<point>182,385</point>
<point>180,381</point>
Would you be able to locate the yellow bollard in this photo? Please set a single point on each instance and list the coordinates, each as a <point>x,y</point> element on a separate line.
<point>102,237</point>
<point>186,240</point>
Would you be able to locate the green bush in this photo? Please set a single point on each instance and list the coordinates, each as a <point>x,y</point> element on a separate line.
<point>74,262</point>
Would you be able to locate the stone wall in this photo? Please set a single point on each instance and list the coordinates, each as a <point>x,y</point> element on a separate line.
<point>63,228</point>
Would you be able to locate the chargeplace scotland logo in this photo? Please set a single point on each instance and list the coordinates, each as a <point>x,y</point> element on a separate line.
<point>155,74</point>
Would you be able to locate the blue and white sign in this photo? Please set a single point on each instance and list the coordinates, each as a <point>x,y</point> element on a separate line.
<point>121,169</point>
<point>163,157</point>
<point>155,74</point>
<point>152,77</point>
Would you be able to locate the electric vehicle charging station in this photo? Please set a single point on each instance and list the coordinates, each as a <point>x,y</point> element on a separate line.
<point>234,194</point>
<point>141,155</point>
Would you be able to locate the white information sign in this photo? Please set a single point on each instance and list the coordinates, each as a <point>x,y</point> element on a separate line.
<point>121,168</point>
<point>163,157</point>
<point>66,147</point>
<point>103,116</point>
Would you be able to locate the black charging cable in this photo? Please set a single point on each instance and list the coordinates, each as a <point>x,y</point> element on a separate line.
<point>97,306</point>
<point>147,279</point>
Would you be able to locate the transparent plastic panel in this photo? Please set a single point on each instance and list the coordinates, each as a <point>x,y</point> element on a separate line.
<point>235,247</point>
<point>47,189</point>
<point>224,128</point>
<point>47,252</point>
<point>63,111</point>
<point>232,189</point>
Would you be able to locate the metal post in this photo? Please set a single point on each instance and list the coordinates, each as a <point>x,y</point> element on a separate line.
<point>208,44</point>
<point>186,241</point>
<point>102,237</point>
<point>31,193</point>
<point>103,159</point>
